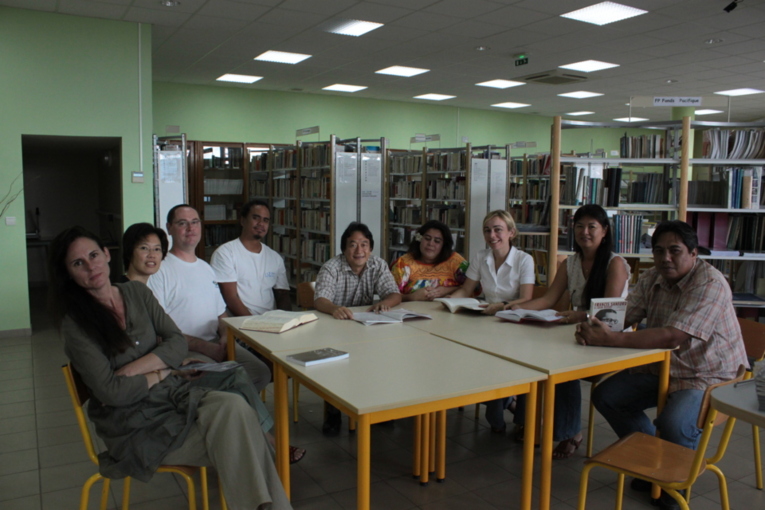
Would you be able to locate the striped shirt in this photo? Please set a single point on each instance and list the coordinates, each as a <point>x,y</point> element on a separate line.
<point>338,283</point>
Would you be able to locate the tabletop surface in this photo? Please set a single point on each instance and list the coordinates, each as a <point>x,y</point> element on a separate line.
<point>550,348</point>
<point>410,370</point>
<point>739,401</point>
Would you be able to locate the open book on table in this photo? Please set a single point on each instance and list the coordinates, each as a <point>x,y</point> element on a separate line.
<point>317,356</point>
<point>521,315</point>
<point>277,321</point>
<point>389,317</point>
<point>454,304</point>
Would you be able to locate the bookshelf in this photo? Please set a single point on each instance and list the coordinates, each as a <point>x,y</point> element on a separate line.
<point>405,196</point>
<point>281,183</point>
<point>447,188</point>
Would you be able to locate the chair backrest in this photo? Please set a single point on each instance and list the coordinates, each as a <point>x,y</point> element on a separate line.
<point>80,394</point>
<point>704,411</point>
<point>305,291</point>
<point>754,338</point>
<point>563,304</point>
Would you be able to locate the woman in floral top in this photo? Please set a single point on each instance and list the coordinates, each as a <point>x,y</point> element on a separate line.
<point>431,268</point>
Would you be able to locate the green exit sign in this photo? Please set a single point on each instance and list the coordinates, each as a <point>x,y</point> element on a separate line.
<point>522,61</point>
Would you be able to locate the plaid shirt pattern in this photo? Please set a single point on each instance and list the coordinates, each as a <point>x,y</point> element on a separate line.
<point>338,283</point>
<point>701,305</point>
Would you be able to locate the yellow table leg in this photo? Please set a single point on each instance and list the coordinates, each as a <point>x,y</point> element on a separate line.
<point>424,448</point>
<point>282,427</point>
<point>662,399</point>
<point>432,446</point>
<point>548,416</point>
<point>441,446</point>
<point>363,438</point>
<point>528,448</point>
<point>417,447</point>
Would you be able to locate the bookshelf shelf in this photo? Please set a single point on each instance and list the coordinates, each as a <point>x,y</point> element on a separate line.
<point>621,161</point>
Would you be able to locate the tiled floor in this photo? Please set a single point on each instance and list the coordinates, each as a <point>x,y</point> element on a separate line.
<point>43,462</point>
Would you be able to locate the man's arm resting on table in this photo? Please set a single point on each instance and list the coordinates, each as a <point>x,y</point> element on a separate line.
<point>282,298</point>
<point>651,338</point>
<point>232,299</point>
<point>326,306</point>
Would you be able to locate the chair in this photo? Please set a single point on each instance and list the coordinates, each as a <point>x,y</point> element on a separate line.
<point>671,466</point>
<point>79,394</point>
<point>305,292</point>
<point>754,342</point>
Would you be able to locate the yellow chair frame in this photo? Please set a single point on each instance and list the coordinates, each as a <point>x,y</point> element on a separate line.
<point>754,342</point>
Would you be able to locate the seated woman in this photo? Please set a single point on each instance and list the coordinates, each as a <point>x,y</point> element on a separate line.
<point>594,271</point>
<point>145,412</point>
<point>507,277</point>
<point>431,268</point>
<point>144,247</point>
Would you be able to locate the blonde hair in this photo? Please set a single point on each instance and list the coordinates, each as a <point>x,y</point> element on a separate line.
<point>503,215</point>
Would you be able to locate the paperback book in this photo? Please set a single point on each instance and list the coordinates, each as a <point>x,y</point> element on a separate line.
<point>277,321</point>
<point>609,311</point>
<point>454,304</point>
<point>389,317</point>
<point>317,356</point>
<point>521,315</point>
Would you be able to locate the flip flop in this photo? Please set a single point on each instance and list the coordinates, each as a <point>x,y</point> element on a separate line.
<point>566,448</point>
<point>296,454</point>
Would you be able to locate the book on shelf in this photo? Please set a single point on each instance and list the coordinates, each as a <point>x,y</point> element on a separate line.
<point>456,304</point>
<point>277,321</point>
<point>389,317</point>
<point>733,144</point>
<point>317,356</point>
<point>521,315</point>
<point>609,311</point>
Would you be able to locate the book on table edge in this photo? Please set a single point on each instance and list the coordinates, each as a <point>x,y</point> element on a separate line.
<point>455,304</point>
<point>389,317</point>
<point>277,321</point>
<point>317,356</point>
<point>521,315</point>
<point>610,311</point>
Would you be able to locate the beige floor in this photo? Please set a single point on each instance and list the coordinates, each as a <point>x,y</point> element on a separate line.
<point>43,463</point>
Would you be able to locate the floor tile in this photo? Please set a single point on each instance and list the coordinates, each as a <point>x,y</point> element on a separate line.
<point>62,454</point>
<point>17,441</point>
<point>17,424</point>
<point>70,498</point>
<point>18,461</point>
<point>25,503</point>
<point>19,485</point>
<point>59,435</point>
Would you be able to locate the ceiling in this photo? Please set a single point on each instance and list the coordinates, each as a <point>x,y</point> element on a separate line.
<point>199,40</point>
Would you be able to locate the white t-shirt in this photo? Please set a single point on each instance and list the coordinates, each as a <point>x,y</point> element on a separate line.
<point>256,274</point>
<point>505,284</point>
<point>189,294</point>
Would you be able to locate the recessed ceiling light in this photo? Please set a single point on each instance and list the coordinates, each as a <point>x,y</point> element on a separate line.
<point>170,3</point>
<point>630,119</point>
<point>576,114</point>
<point>739,92</point>
<point>707,112</point>
<point>402,71</point>
<point>588,66</point>
<point>434,97</point>
<point>239,78</point>
<point>581,94</point>
<point>604,13</point>
<point>511,105</point>
<point>670,81</point>
<point>500,84</point>
<point>283,57</point>
<point>714,40</point>
<point>353,27</point>
<point>339,87</point>
<point>482,48</point>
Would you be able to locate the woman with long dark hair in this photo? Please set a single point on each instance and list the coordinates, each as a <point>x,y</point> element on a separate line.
<point>593,271</point>
<point>145,411</point>
<point>431,268</point>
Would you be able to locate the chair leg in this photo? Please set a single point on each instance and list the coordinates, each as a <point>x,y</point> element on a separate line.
<point>203,485</point>
<point>681,500</point>
<point>295,395</point>
<point>477,411</point>
<point>126,493</point>
<point>757,456</point>
<point>223,505</point>
<point>585,478</point>
<point>619,491</point>
<point>85,492</point>
<point>105,493</point>
<point>591,423</point>
<point>724,503</point>
<point>191,489</point>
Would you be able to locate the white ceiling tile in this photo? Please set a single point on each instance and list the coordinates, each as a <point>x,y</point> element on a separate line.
<point>235,10</point>
<point>34,5</point>
<point>156,17</point>
<point>284,17</point>
<point>513,17</point>
<point>462,9</point>
<point>367,11</point>
<point>92,9</point>
<point>188,6</point>
<point>214,23</point>
<point>427,21</point>
<point>326,7</point>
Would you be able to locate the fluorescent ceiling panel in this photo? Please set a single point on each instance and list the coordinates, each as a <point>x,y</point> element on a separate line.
<point>577,114</point>
<point>739,92</point>
<point>511,105</point>
<point>581,94</point>
<point>434,97</point>
<point>707,112</point>
<point>339,87</point>
<point>604,13</point>
<point>500,84</point>
<point>630,119</point>
<point>239,78</point>
<point>402,71</point>
<point>282,57</point>
<point>353,27</point>
<point>588,66</point>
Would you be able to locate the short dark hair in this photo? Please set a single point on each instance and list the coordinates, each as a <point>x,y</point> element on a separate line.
<point>602,313</point>
<point>355,226</point>
<point>681,229</point>
<point>446,248</point>
<point>171,212</point>
<point>246,208</point>
<point>136,233</point>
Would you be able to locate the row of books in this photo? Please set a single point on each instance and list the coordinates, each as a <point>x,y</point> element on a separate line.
<point>406,164</point>
<point>721,231</point>
<point>643,146</point>
<point>283,216</point>
<point>259,162</point>
<point>447,161</point>
<point>315,250</point>
<point>537,213</point>
<point>742,188</point>
<point>218,234</point>
<point>285,188</point>
<point>315,219</point>
<point>734,144</point>
<point>650,188</point>
<point>453,216</point>
<point>284,244</point>
<point>445,189</point>
<point>223,186</point>
<point>535,189</point>
<point>406,214</point>
<point>539,164</point>
<point>232,160</point>
<point>402,236</point>
<point>627,231</point>
<point>284,158</point>
<point>259,188</point>
<point>219,212</point>
<point>316,155</point>
<point>406,189</point>
<point>315,188</point>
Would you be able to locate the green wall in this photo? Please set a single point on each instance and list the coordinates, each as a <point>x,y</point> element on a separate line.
<point>66,75</point>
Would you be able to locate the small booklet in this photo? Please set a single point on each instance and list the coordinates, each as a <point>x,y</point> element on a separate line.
<point>454,304</point>
<point>277,321</point>
<point>317,356</point>
<point>609,311</point>
<point>521,315</point>
<point>389,317</point>
<point>211,367</point>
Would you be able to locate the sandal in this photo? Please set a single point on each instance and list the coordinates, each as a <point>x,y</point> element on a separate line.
<point>296,454</point>
<point>566,448</point>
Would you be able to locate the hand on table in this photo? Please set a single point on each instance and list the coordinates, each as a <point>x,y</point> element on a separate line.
<point>593,332</point>
<point>378,307</point>
<point>572,317</point>
<point>437,292</point>
<point>493,308</point>
<point>342,313</point>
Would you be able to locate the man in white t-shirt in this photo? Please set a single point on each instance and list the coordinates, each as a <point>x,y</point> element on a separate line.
<point>186,288</point>
<point>252,276</point>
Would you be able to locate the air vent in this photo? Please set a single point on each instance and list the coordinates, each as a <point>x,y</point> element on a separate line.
<point>555,77</point>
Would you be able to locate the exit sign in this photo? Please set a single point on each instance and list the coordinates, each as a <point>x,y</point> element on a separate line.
<point>522,61</point>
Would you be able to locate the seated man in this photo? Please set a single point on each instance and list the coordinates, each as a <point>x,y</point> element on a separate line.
<point>687,305</point>
<point>352,279</point>
<point>252,276</point>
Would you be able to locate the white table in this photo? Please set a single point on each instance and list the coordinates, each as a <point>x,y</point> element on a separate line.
<point>740,401</point>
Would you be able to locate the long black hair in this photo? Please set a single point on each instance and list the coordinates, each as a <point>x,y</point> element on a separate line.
<point>596,283</point>
<point>67,298</point>
<point>446,247</point>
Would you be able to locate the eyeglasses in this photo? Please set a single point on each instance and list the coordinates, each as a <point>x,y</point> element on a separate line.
<point>185,224</point>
